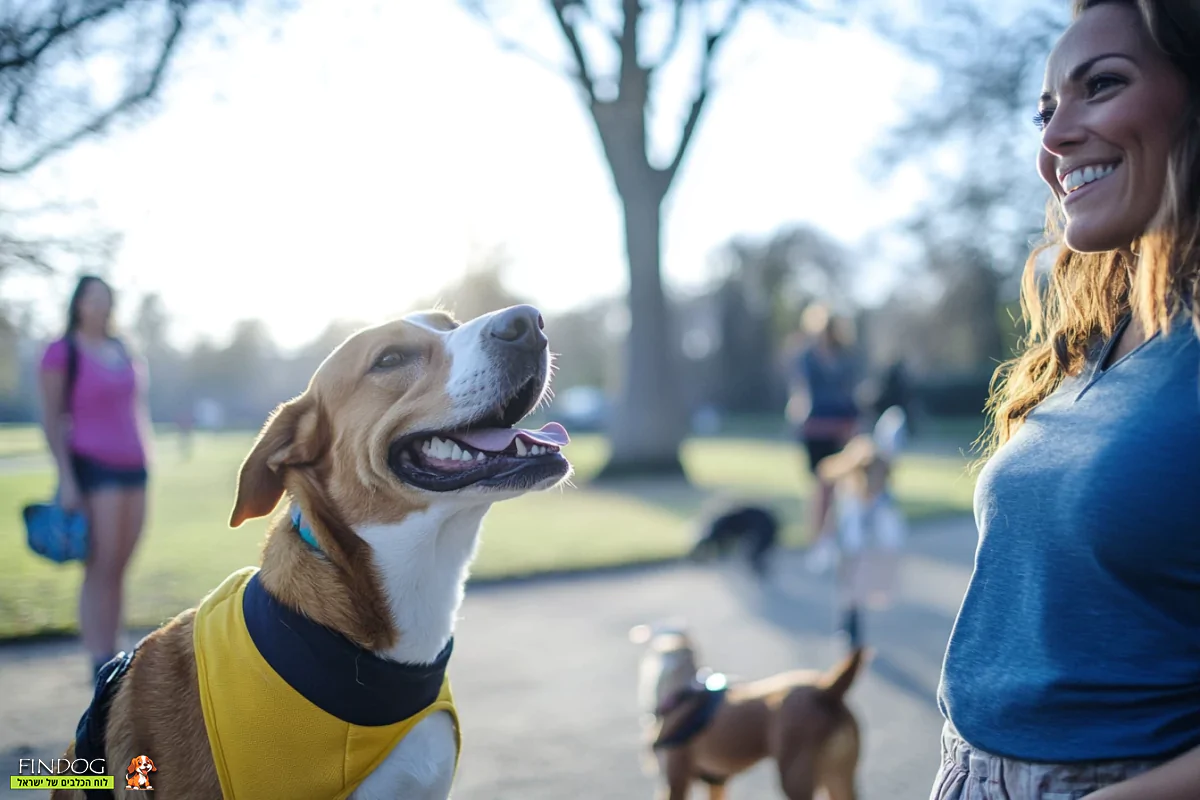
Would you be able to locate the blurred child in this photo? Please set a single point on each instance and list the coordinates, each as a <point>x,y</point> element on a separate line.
<point>869,530</point>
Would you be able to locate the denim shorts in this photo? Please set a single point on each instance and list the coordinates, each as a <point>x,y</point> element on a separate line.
<point>968,773</point>
<point>91,475</point>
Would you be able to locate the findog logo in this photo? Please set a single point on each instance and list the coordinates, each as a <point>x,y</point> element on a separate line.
<point>137,774</point>
<point>62,773</point>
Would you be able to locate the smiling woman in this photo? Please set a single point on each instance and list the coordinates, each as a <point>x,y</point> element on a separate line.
<point>1072,668</point>
<point>1108,119</point>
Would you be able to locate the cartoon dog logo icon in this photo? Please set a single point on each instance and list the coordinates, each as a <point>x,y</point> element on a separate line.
<point>137,774</point>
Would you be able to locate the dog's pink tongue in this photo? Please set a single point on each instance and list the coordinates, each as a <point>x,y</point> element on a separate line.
<point>495,440</point>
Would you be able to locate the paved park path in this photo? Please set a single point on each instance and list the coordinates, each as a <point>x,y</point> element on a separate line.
<point>545,675</point>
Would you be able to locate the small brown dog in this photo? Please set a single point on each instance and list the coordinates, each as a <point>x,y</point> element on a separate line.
<point>703,729</point>
<point>137,774</point>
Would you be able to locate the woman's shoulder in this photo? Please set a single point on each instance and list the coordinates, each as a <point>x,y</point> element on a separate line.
<point>55,354</point>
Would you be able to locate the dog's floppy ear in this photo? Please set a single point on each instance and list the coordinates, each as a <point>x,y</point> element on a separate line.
<point>152,767</point>
<point>291,436</point>
<point>132,765</point>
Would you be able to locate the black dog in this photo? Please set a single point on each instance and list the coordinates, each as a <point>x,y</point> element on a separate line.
<point>754,528</point>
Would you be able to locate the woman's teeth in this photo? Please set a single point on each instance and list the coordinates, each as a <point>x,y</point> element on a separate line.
<point>1078,178</point>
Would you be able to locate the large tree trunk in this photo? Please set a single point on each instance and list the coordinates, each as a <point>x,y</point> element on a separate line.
<point>651,421</point>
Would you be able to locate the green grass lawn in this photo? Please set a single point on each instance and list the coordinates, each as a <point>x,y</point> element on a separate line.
<point>188,546</point>
<point>21,440</point>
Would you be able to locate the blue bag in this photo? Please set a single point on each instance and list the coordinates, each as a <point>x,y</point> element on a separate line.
<point>56,533</point>
<point>51,530</point>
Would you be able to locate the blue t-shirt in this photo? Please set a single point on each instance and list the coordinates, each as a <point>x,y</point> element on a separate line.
<point>1079,635</point>
<point>830,383</point>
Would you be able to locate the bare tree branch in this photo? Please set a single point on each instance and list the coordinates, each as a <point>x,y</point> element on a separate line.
<point>672,44</point>
<point>50,254</point>
<point>131,100</point>
<point>13,52</point>
<point>511,45</point>
<point>586,8</point>
<point>844,10</point>
<point>711,42</point>
<point>582,73</point>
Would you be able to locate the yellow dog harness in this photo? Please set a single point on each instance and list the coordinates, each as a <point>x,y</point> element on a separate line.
<point>292,708</point>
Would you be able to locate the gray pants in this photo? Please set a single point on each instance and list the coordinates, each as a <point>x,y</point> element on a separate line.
<point>971,774</point>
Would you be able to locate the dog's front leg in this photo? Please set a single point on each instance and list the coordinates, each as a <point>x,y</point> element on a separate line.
<point>678,772</point>
<point>420,768</point>
<point>716,792</point>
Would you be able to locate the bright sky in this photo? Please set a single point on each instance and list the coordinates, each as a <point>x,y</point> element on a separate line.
<point>344,164</point>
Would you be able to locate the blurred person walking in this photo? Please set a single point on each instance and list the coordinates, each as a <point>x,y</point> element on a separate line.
<point>99,436</point>
<point>823,380</point>
<point>1073,667</point>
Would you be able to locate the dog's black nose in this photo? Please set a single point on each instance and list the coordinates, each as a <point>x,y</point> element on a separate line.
<point>519,326</point>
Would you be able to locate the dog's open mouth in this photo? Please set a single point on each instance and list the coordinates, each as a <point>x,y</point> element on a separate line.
<point>489,452</point>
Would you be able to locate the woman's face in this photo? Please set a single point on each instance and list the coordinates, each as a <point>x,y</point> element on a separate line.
<point>1110,107</point>
<point>95,306</point>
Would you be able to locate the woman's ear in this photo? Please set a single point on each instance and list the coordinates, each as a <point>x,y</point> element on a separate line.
<point>291,437</point>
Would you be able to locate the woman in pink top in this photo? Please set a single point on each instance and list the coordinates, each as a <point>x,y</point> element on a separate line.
<point>99,438</point>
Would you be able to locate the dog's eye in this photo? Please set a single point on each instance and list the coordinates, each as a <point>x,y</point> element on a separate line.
<point>394,357</point>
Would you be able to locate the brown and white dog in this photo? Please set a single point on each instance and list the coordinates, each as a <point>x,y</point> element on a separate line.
<point>137,774</point>
<point>400,444</point>
<point>704,728</point>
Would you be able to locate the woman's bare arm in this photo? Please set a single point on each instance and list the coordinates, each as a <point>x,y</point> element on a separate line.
<point>52,384</point>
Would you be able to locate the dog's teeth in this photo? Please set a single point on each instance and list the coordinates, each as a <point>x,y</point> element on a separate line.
<point>466,456</point>
<point>427,447</point>
<point>480,457</point>
<point>521,447</point>
<point>455,452</point>
<point>537,450</point>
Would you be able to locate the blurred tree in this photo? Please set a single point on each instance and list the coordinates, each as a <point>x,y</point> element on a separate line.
<point>168,390</point>
<point>61,251</point>
<point>649,424</point>
<point>151,323</point>
<point>482,287</point>
<point>583,346</point>
<point>766,285</point>
<point>326,342</point>
<point>69,70</point>
<point>974,141</point>
<point>245,376</point>
<point>298,371</point>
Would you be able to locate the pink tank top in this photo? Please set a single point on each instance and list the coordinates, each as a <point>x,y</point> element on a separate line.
<point>103,407</point>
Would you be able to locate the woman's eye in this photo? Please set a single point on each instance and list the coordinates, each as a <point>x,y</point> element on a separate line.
<point>1098,83</point>
<point>1041,118</point>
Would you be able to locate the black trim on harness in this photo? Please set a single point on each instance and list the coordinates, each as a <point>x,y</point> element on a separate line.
<point>90,732</point>
<point>333,673</point>
<point>703,705</point>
